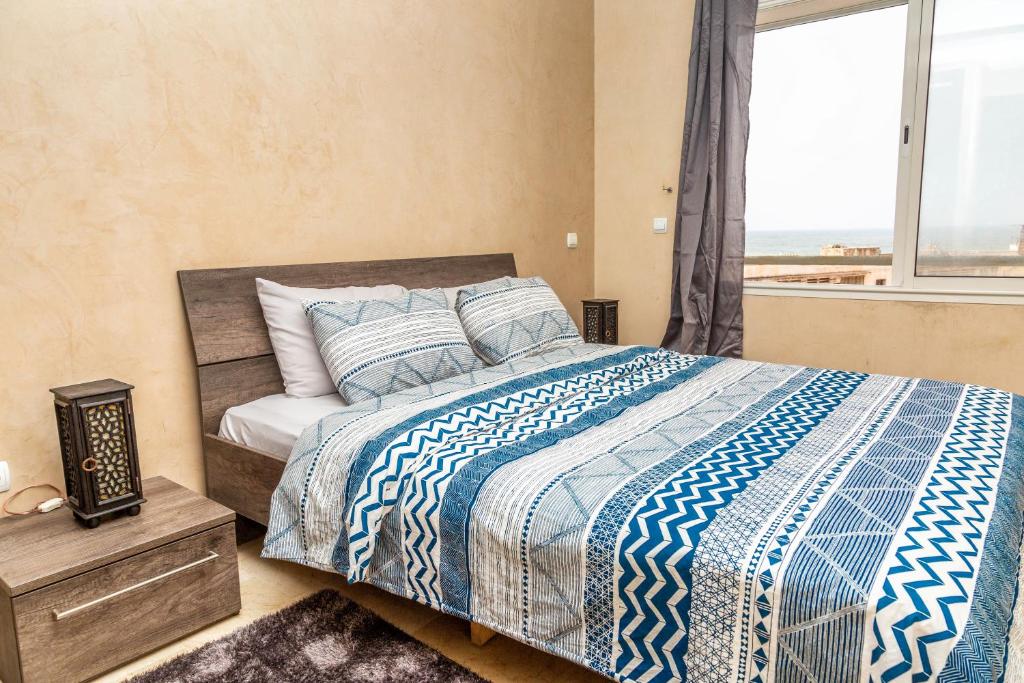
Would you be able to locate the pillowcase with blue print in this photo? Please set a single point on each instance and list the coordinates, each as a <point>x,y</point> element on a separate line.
<point>375,348</point>
<point>509,318</point>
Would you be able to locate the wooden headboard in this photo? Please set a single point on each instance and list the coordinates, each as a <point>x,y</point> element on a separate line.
<point>233,355</point>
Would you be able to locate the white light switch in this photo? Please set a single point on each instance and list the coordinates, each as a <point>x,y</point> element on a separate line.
<point>570,240</point>
<point>660,225</point>
<point>5,476</point>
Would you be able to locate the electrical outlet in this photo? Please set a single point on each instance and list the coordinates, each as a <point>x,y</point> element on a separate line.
<point>5,476</point>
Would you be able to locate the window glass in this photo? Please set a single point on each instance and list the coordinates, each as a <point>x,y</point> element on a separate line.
<point>824,150</point>
<point>972,194</point>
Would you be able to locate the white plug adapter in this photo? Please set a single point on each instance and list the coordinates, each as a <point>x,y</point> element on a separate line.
<point>50,505</point>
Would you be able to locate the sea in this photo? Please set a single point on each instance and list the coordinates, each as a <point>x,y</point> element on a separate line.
<point>809,242</point>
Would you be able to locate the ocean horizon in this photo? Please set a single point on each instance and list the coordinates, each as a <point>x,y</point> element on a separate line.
<point>810,242</point>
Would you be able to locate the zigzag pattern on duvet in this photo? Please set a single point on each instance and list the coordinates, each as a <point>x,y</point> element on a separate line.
<point>429,480</point>
<point>464,488</point>
<point>927,588</point>
<point>985,644</point>
<point>556,521</point>
<point>822,603</point>
<point>969,657</point>
<point>523,382</point>
<point>657,550</point>
<point>766,562</point>
<point>384,483</point>
<point>369,424</point>
<point>376,419</point>
<point>757,395</point>
<point>302,464</point>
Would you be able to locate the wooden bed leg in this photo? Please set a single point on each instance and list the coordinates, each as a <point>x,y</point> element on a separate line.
<point>480,634</point>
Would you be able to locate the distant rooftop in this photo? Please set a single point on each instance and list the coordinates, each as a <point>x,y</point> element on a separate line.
<point>843,250</point>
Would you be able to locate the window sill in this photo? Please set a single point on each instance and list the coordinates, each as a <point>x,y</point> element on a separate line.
<point>884,293</point>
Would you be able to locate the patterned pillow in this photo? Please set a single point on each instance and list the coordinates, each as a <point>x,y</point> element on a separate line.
<point>510,318</point>
<point>375,348</point>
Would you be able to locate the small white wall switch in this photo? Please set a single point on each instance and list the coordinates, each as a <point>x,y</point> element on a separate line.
<point>5,476</point>
<point>570,240</point>
<point>660,225</point>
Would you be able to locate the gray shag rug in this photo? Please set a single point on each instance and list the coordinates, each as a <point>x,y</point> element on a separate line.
<point>324,637</point>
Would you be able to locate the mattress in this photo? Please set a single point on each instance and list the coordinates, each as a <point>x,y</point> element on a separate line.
<point>273,423</point>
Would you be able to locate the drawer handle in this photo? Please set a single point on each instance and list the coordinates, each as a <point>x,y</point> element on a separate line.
<point>92,603</point>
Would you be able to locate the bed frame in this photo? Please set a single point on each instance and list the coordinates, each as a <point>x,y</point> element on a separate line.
<point>236,364</point>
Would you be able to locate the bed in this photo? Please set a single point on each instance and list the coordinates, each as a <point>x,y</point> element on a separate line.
<point>655,516</point>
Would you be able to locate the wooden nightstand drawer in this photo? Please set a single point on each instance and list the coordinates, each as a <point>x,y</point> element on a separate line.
<point>109,615</point>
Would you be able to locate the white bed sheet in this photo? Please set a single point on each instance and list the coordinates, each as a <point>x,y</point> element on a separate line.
<point>273,423</point>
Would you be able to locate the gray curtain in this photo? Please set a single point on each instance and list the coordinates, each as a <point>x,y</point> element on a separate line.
<point>707,280</point>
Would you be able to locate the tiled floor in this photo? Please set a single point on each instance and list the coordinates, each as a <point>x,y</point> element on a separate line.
<point>268,585</point>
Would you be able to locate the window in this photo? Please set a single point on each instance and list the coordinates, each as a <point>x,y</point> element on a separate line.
<point>886,153</point>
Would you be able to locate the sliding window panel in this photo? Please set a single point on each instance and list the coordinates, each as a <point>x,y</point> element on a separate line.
<point>824,150</point>
<point>971,221</point>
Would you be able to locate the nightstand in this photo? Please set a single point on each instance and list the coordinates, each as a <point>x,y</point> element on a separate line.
<point>75,602</point>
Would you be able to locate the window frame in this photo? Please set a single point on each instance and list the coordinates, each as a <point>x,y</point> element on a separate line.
<point>906,285</point>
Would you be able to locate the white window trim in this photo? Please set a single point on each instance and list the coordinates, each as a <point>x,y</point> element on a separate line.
<point>781,13</point>
<point>885,293</point>
<point>906,284</point>
<point>904,250</point>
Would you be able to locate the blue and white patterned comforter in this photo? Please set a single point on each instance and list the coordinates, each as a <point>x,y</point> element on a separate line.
<point>656,516</point>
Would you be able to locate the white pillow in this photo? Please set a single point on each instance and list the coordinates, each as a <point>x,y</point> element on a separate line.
<point>451,294</point>
<point>298,357</point>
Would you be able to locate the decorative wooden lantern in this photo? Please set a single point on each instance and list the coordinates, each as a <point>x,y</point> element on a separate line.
<point>601,321</point>
<point>96,430</point>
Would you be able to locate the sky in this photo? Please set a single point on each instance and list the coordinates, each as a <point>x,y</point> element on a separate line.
<point>825,123</point>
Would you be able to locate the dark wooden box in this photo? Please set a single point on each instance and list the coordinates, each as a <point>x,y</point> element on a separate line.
<point>96,431</point>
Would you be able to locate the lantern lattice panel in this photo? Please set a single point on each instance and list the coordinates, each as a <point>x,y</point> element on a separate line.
<point>611,324</point>
<point>601,321</point>
<point>67,454</point>
<point>108,444</point>
<point>591,324</point>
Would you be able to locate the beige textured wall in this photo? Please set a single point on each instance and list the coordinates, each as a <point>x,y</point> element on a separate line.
<point>640,56</point>
<point>982,344</point>
<point>139,138</point>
